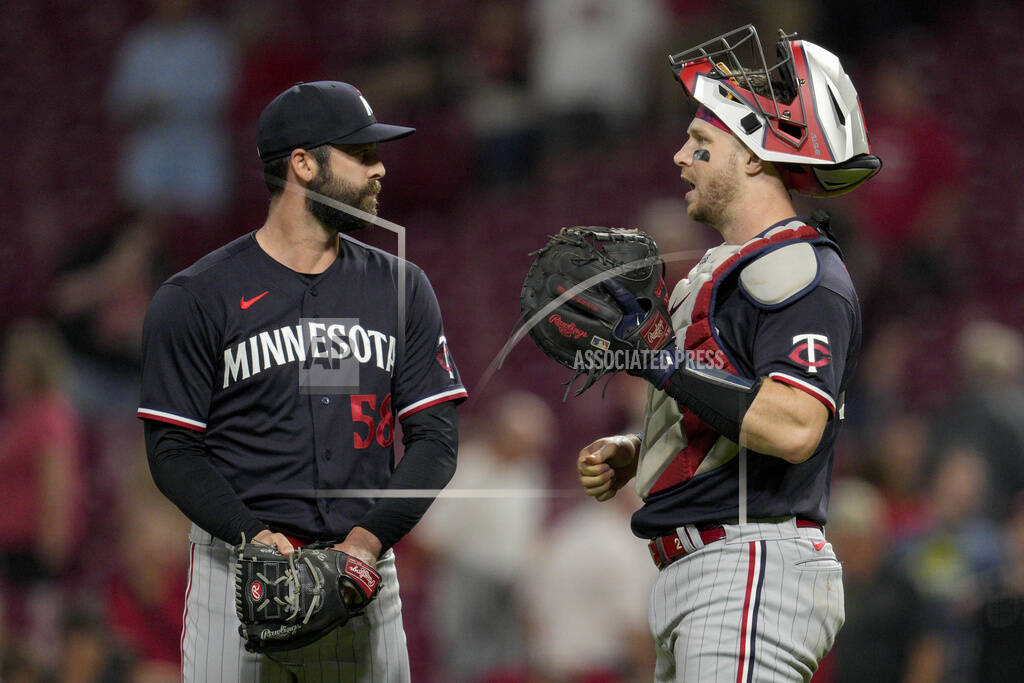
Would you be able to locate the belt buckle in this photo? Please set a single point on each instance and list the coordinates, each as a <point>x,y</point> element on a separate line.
<point>660,561</point>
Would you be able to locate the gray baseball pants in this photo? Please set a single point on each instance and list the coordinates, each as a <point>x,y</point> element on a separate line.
<point>370,647</point>
<point>763,604</point>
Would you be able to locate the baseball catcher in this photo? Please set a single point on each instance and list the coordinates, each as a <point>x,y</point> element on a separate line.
<point>289,601</point>
<point>594,293</point>
<point>745,404</point>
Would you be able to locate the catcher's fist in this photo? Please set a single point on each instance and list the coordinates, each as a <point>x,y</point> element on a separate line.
<point>606,465</point>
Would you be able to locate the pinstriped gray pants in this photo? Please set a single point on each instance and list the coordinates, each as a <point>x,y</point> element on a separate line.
<point>370,647</point>
<point>763,604</point>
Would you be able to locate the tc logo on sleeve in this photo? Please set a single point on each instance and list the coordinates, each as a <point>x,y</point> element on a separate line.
<point>811,351</point>
<point>444,358</point>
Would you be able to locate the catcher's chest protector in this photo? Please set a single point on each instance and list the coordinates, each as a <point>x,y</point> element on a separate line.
<point>677,444</point>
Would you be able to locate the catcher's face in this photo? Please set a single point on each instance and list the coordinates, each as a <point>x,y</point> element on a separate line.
<point>351,176</point>
<point>710,166</point>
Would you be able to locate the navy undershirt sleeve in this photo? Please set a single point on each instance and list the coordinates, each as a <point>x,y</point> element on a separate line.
<point>182,471</point>
<point>431,438</point>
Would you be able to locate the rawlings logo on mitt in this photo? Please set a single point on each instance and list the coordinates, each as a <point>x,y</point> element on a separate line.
<point>287,602</point>
<point>566,329</point>
<point>595,290</point>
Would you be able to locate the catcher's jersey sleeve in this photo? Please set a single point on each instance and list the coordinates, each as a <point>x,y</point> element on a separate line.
<point>179,348</point>
<point>806,345</point>
<point>427,374</point>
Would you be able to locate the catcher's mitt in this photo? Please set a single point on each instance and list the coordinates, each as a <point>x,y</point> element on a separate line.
<point>286,602</point>
<point>624,305</point>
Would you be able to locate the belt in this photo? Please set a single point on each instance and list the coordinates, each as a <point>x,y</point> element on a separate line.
<point>668,548</point>
<point>296,543</point>
<point>302,542</point>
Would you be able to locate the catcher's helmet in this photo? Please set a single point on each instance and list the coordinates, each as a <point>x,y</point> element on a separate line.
<point>810,125</point>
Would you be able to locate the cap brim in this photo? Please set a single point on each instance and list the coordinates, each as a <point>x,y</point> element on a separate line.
<point>375,132</point>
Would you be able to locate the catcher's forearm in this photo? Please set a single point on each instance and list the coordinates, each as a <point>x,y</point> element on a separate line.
<point>719,398</point>
<point>431,439</point>
<point>785,422</point>
<point>183,473</point>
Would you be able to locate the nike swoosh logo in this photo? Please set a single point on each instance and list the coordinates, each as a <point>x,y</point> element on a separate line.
<point>818,545</point>
<point>246,304</point>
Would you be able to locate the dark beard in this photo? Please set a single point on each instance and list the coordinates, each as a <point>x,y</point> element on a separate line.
<point>333,219</point>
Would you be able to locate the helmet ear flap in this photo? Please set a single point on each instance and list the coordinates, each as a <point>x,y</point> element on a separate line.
<point>832,180</point>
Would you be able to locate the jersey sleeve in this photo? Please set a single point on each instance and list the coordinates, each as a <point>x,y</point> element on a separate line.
<point>806,344</point>
<point>427,374</point>
<point>178,360</point>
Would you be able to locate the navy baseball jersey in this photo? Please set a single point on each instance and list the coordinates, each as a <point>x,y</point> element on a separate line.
<point>781,306</point>
<point>295,380</point>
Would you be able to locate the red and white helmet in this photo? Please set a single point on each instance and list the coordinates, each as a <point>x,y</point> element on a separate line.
<point>812,127</point>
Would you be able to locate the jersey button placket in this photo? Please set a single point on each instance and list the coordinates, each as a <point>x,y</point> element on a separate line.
<point>311,292</point>
<point>326,400</point>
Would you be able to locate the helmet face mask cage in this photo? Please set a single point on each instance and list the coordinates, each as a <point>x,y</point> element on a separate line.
<point>802,113</point>
<point>723,54</point>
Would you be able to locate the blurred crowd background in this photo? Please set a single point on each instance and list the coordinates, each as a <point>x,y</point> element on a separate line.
<point>129,129</point>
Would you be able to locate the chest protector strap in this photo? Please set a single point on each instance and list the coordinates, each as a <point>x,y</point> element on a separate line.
<point>774,271</point>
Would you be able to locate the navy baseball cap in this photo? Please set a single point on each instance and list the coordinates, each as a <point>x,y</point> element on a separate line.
<point>308,115</point>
